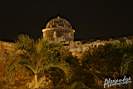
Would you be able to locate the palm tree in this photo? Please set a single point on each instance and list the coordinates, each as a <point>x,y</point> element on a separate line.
<point>39,57</point>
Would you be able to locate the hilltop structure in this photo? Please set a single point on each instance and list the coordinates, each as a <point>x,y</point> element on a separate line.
<point>58,29</point>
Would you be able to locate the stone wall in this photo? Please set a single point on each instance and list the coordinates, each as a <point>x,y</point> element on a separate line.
<point>6,46</point>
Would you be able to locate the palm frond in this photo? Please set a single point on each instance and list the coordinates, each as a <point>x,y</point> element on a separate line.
<point>63,66</point>
<point>31,68</point>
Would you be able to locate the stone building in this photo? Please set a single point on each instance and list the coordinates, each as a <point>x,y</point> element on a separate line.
<point>58,29</point>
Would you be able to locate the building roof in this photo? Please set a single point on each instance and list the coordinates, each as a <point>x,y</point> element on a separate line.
<point>58,22</point>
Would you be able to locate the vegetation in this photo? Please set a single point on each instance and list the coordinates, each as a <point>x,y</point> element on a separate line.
<point>45,65</point>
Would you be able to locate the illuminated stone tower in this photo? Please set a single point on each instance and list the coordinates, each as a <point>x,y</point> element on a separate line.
<point>58,29</point>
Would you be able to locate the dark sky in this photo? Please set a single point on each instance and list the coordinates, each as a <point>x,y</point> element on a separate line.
<point>90,18</point>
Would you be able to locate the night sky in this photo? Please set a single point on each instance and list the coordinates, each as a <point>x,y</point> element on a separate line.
<point>90,18</point>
